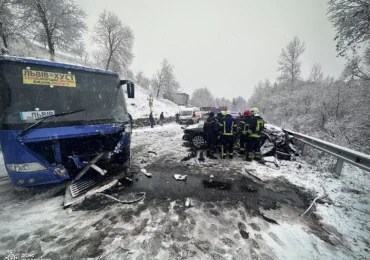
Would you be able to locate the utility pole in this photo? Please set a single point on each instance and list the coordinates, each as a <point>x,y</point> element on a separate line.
<point>150,99</point>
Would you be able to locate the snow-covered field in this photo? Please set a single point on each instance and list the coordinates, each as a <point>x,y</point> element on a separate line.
<point>188,220</point>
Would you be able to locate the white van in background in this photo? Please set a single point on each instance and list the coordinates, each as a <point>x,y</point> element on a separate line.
<point>189,115</point>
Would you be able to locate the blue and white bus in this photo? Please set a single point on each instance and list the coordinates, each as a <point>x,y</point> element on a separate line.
<point>57,120</point>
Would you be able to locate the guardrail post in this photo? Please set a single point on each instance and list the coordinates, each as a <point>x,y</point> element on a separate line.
<point>339,166</point>
<point>304,149</point>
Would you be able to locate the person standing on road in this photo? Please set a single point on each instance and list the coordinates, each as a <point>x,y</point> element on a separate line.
<point>256,127</point>
<point>245,123</point>
<point>211,130</point>
<point>161,119</point>
<point>177,118</point>
<point>151,120</point>
<point>228,127</point>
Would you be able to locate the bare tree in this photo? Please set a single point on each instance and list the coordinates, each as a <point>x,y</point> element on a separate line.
<point>164,81</point>
<point>79,49</point>
<point>289,64</point>
<point>142,80</point>
<point>202,97</point>
<point>316,74</point>
<point>357,68</point>
<point>12,24</point>
<point>6,18</point>
<point>240,104</point>
<point>115,41</point>
<point>351,19</point>
<point>58,23</point>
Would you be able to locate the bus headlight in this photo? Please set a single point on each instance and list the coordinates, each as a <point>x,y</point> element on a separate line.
<point>25,167</point>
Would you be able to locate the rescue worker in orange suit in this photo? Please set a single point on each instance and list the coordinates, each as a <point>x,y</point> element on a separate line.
<point>211,130</point>
<point>228,128</point>
<point>244,124</point>
<point>256,127</point>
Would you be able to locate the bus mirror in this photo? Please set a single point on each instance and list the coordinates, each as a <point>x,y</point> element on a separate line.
<point>130,90</point>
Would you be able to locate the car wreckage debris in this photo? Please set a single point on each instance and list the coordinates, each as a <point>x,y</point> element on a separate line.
<point>180,177</point>
<point>193,154</point>
<point>147,174</point>
<point>124,202</point>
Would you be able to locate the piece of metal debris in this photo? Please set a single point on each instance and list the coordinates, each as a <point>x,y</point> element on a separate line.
<point>187,202</point>
<point>180,177</point>
<point>147,174</point>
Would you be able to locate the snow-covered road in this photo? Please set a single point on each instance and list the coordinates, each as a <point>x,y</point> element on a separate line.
<point>235,217</point>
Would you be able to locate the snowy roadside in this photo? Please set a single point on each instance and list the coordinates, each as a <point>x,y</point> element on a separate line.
<point>345,211</point>
<point>169,228</point>
<point>138,107</point>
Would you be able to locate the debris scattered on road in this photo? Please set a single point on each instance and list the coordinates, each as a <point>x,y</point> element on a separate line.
<point>180,177</point>
<point>187,202</point>
<point>220,185</point>
<point>318,197</point>
<point>142,194</point>
<point>193,154</point>
<point>255,244</point>
<point>254,176</point>
<point>249,188</point>
<point>147,174</point>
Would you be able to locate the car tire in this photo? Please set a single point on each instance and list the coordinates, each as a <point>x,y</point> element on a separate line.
<point>198,141</point>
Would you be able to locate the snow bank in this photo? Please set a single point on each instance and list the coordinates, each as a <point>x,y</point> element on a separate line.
<point>138,107</point>
<point>346,215</point>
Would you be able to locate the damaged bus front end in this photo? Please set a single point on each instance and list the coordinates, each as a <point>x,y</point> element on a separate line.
<point>62,122</point>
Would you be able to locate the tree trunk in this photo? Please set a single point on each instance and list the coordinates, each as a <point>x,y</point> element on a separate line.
<point>51,49</point>
<point>49,35</point>
<point>159,89</point>
<point>5,42</point>
<point>108,62</point>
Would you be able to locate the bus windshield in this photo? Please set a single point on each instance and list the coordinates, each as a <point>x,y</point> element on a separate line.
<point>29,92</point>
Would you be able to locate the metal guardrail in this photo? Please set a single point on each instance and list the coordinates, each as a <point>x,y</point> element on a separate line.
<point>343,154</point>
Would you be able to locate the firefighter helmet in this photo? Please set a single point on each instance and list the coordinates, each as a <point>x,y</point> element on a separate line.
<point>247,113</point>
<point>254,111</point>
<point>228,112</point>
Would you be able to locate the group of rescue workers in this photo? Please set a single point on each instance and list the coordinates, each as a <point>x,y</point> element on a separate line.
<point>222,129</point>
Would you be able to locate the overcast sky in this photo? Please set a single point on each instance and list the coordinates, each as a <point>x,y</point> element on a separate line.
<point>227,46</point>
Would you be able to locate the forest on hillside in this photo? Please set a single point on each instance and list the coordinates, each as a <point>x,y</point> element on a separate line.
<point>335,109</point>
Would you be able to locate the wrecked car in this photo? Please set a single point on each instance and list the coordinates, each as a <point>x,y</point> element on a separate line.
<point>194,135</point>
<point>62,122</point>
<point>274,141</point>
